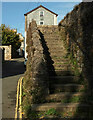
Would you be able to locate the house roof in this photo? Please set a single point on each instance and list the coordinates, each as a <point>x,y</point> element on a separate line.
<point>39,7</point>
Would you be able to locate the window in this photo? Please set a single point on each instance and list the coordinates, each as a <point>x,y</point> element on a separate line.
<point>41,13</point>
<point>42,23</point>
<point>41,18</point>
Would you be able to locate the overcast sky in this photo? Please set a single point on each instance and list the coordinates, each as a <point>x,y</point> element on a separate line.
<point>13,12</point>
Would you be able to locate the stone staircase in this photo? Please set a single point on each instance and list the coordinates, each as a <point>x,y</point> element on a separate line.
<point>67,98</point>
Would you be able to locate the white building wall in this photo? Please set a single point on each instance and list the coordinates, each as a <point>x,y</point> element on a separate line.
<point>55,20</point>
<point>48,17</point>
<point>25,45</point>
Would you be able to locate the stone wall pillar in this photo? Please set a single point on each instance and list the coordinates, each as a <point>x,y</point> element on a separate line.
<point>7,52</point>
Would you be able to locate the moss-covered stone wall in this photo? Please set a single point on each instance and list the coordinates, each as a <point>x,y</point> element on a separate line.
<point>76,29</point>
<point>35,85</point>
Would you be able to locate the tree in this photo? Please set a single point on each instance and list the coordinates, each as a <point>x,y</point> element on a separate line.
<point>10,37</point>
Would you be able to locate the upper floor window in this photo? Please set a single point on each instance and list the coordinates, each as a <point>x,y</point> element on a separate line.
<point>42,18</point>
<point>41,13</point>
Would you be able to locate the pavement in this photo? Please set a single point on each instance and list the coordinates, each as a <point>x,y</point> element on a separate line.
<point>11,72</point>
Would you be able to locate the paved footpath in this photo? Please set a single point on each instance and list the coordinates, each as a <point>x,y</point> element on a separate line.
<point>12,71</point>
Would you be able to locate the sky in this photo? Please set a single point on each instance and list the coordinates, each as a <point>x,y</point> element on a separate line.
<point>13,12</point>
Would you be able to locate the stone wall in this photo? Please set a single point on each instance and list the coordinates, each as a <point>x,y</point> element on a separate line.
<point>76,30</point>
<point>7,52</point>
<point>36,75</point>
<point>1,54</point>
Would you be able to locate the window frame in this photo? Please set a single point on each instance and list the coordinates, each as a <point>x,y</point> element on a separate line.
<point>42,18</point>
<point>40,22</point>
<point>40,12</point>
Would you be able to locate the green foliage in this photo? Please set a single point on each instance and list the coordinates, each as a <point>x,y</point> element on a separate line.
<point>10,37</point>
<point>23,94</point>
<point>26,106</point>
<point>75,66</point>
<point>33,115</point>
<point>74,99</point>
<point>51,111</point>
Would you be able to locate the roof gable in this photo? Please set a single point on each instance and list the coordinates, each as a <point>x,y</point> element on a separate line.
<point>39,7</point>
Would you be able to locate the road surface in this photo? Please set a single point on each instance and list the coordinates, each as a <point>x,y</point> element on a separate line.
<point>12,71</point>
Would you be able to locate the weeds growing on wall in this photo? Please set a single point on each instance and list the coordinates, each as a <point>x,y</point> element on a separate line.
<point>35,85</point>
<point>78,40</point>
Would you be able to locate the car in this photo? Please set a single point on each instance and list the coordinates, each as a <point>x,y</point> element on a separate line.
<point>25,61</point>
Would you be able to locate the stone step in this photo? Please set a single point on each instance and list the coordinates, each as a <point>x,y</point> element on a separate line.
<point>56,48</point>
<point>59,42</point>
<point>50,29</point>
<point>64,68</point>
<point>57,55</point>
<point>63,61</point>
<point>64,79</point>
<point>52,114</point>
<point>47,34</point>
<point>55,30</point>
<point>47,31</point>
<point>64,73</point>
<point>63,96</point>
<point>52,34</point>
<point>62,65</point>
<point>61,58</point>
<point>58,62</point>
<point>50,117</point>
<point>55,52</point>
<point>67,88</point>
<point>53,40</point>
<point>66,107</point>
<point>55,44</point>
